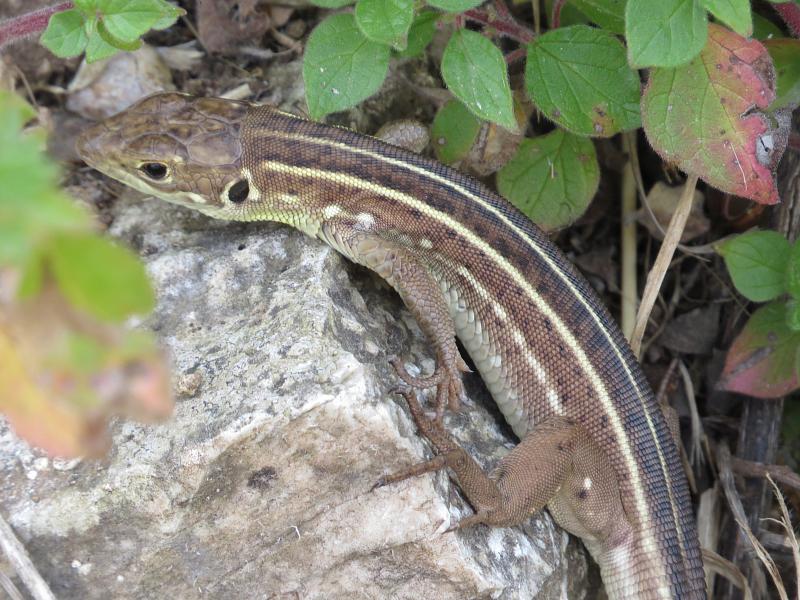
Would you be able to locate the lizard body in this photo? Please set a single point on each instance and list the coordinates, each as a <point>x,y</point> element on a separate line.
<point>596,448</point>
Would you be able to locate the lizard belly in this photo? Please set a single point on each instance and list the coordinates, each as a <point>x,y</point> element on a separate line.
<point>487,354</point>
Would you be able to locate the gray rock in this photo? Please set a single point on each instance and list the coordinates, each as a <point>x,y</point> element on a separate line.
<point>260,485</point>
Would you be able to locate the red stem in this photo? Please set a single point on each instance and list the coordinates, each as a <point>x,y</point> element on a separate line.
<point>555,22</point>
<point>516,55</point>
<point>507,27</point>
<point>31,23</point>
<point>790,13</point>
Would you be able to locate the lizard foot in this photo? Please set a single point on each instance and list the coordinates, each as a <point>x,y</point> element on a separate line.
<point>446,378</point>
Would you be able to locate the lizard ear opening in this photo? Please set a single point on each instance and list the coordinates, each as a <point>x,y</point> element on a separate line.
<point>239,191</point>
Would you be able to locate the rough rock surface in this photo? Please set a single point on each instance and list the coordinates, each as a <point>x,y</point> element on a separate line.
<point>260,486</point>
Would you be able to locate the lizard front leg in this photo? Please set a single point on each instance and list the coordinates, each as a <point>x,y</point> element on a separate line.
<point>420,292</point>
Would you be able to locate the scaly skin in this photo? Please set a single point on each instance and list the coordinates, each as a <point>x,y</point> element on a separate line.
<point>596,449</point>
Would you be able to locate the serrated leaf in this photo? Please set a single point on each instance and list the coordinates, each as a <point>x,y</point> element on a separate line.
<point>341,67</point>
<point>98,48</point>
<point>762,361</point>
<point>420,34</point>
<point>666,33</point>
<point>454,6</point>
<point>65,35</point>
<point>552,178</point>
<point>785,55</point>
<point>703,116</point>
<point>453,132</point>
<point>127,20</point>
<point>99,277</point>
<point>578,77</point>
<point>474,70</point>
<point>735,14</point>
<point>609,14</point>
<point>757,262</point>
<point>385,21</point>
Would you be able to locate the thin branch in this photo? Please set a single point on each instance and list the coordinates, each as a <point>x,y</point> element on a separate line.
<point>555,22</point>
<point>32,23</point>
<point>790,13</point>
<point>656,275</point>
<point>22,564</point>
<point>504,26</point>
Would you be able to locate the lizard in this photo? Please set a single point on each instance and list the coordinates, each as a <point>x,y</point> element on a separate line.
<point>596,448</point>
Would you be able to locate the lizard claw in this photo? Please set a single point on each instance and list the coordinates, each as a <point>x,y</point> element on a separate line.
<point>446,378</point>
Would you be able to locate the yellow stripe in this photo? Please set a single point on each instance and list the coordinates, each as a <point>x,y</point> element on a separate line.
<point>341,178</point>
<point>543,255</point>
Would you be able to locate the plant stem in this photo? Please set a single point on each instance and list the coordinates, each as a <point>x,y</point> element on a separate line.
<point>506,26</point>
<point>555,22</point>
<point>790,13</point>
<point>32,23</point>
<point>656,275</point>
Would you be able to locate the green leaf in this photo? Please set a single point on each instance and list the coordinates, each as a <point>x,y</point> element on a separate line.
<point>764,29</point>
<point>385,21</point>
<point>115,42</point>
<point>88,7</point>
<point>453,132</point>
<point>757,262</point>
<point>785,55</point>
<point>552,178</point>
<point>99,277</point>
<point>171,14</point>
<point>31,205</point>
<point>98,48</point>
<point>793,315</point>
<point>735,14</point>
<point>763,359</point>
<point>705,116</point>
<point>341,67</point>
<point>609,14</point>
<point>65,35</point>
<point>793,271</point>
<point>665,33</point>
<point>454,6</point>
<point>475,71</point>
<point>32,276</point>
<point>332,3</point>
<point>579,77</point>
<point>420,35</point>
<point>127,20</point>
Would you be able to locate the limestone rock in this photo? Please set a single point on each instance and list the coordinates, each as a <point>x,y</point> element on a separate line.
<point>260,485</point>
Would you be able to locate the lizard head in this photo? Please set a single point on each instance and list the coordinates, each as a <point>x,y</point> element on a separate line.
<point>182,149</point>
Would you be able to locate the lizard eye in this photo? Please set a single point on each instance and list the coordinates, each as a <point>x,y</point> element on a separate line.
<point>239,191</point>
<point>154,170</point>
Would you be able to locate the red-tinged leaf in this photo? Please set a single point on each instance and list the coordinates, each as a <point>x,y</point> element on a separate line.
<point>44,424</point>
<point>704,118</point>
<point>63,375</point>
<point>762,360</point>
